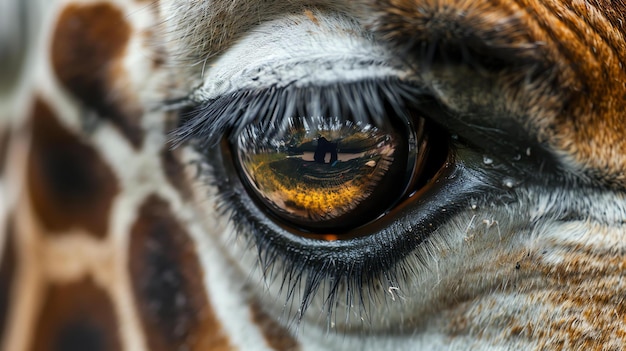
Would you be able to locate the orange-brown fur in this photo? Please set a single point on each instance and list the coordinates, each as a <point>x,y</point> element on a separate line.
<point>581,40</point>
<point>80,305</point>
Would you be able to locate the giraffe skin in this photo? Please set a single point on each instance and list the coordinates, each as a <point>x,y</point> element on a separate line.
<point>115,237</point>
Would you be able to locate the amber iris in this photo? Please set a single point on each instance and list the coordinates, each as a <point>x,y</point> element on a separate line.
<point>327,175</point>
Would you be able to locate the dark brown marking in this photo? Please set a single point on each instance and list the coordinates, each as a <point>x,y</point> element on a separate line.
<point>8,265</point>
<point>76,317</point>
<point>70,185</point>
<point>279,338</point>
<point>174,171</point>
<point>88,43</point>
<point>168,284</point>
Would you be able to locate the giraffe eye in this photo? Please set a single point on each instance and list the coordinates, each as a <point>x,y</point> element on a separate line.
<point>335,176</point>
<point>329,174</point>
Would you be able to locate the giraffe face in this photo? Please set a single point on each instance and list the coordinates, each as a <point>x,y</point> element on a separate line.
<point>532,144</point>
<point>324,175</point>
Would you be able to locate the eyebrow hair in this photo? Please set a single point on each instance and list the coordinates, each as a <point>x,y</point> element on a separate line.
<point>368,101</point>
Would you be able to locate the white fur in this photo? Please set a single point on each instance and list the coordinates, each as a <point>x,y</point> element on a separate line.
<point>296,51</point>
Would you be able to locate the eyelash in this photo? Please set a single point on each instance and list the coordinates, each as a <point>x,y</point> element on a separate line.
<point>363,101</point>
<point>207,124</point>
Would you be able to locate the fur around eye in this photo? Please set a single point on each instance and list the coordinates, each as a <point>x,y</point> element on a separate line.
<point>304,269</point>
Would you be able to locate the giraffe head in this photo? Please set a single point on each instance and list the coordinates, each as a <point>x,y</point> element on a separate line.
<point>156,192</point>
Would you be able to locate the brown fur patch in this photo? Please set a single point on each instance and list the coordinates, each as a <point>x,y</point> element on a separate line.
<point>8,265</point>
<point>76,317</point>
<point>88,43</point>
<point>174,171</point>
<point>449,30</point>
<point>168,284</point>
<point>276,336</point>
<point>574,47</point>
<point>69,184</point>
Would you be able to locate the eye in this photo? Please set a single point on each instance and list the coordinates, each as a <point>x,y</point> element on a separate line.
<point>330,175</point>
<point>361,185</point>
<point>325,177</point>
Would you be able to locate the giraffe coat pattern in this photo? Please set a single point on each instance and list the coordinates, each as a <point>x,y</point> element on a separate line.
<point>125,224</point>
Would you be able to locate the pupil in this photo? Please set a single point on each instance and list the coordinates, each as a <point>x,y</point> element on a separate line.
<point>327,175</point>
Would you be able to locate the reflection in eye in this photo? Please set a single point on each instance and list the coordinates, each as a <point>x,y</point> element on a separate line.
<point>328,173</point>
<point>374,152</point>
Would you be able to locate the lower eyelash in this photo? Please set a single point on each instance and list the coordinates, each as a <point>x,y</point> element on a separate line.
<point>298,277</point>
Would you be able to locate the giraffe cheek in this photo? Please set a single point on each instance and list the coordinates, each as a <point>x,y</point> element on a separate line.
<point>5,136</point>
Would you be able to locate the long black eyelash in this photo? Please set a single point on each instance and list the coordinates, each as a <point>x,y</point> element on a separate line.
<point>357,279</point>
<point>363,101</point>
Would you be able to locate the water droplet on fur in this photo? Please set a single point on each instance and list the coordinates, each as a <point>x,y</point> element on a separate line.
<point>508,182</point>
<point>473,204</point>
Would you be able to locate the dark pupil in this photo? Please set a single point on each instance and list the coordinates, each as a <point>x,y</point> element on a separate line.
<point>327,175</point>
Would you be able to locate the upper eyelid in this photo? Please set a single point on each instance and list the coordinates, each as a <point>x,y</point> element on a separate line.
<point>275,71</point>
<point>293,49</point>
<point>300,73</point>
<point>363,101</point>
